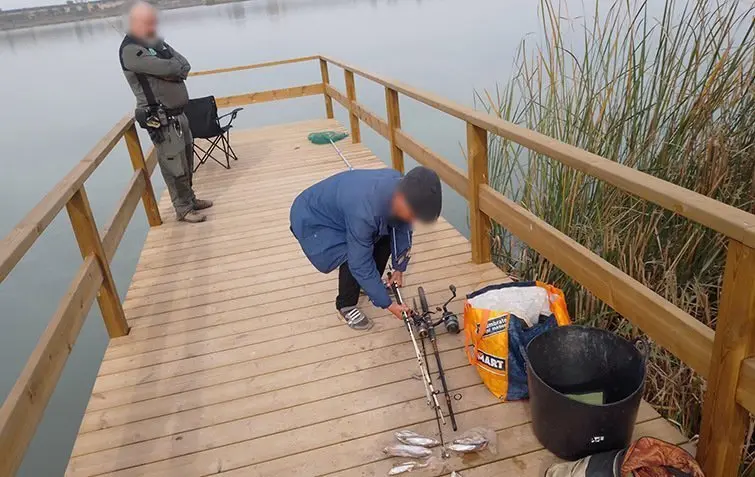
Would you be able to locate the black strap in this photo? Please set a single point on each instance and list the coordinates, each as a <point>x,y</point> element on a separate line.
<point>149,95</point>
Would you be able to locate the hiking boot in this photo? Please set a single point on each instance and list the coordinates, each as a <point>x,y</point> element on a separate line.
<point>193,217</point>
<point>354,318</point>
<point>200,204</point>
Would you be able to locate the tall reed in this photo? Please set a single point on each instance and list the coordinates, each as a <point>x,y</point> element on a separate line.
<point>672,95</point>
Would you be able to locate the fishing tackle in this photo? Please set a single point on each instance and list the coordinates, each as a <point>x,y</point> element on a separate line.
<point>421,321</point>
<point>451,322</point>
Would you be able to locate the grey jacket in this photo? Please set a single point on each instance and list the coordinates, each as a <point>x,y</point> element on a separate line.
<point>156,74</point>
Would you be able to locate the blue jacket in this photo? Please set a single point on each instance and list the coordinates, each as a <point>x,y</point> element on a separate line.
<point>341,218</point>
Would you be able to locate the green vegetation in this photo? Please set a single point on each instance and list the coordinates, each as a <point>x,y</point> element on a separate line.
<point>672,95</point>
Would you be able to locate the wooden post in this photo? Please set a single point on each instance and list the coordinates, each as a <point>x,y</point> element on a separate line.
<point>725,422</point>
<point>85,229</point>
<point>477,150</point>
<point>351,92</point>
<point>137,160</point>
<point>394,122</point>
<point>325,83</point>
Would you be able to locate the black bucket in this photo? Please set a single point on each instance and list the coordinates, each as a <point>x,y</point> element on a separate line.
<point>585,389</point>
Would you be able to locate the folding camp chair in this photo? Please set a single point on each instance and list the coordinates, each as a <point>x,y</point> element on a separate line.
<point>204,123</point>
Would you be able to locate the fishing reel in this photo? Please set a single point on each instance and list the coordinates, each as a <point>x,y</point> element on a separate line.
<point>423,316</point>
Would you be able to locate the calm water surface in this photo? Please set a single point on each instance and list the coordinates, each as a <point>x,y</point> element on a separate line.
<point>61,89</point>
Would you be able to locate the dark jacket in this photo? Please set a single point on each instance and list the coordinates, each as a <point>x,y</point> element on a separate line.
<point>156,74</point>
<point>341,218</point>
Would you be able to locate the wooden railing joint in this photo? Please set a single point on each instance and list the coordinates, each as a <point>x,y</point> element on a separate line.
<point>724,421</point>
<point>351,94</point>
<point>394,123</point>
<point>325,82</point>
<point>477,161</point>
<point>137,161</point>
<point>88,238</point>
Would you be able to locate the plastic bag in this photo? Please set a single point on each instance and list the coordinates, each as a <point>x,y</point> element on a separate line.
<point>404,450</point>
<point>431,464</point>
<point>527,303</point>
<point>413,439</point>
<point>496,338</point>
<point>477,439</point>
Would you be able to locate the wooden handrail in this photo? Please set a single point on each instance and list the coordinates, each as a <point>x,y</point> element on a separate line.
<point>271,95</point>
<point>723,218</point>
<point>15,245</point>
<point>27,400</point>
<point>255,66</point>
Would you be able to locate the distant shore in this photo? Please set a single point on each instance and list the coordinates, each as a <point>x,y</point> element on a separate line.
<point>70,11</point>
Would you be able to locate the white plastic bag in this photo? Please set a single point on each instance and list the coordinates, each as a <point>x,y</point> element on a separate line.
<point>527,303</point>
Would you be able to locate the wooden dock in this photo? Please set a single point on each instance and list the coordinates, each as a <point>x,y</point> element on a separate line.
<point>227,358</point>
<point>237,365</point>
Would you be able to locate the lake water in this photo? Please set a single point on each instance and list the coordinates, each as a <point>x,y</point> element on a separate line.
<point>61,89</point>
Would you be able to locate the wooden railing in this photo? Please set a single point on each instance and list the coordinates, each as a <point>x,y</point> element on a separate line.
<point>724,358</point>
<point>25,404</point>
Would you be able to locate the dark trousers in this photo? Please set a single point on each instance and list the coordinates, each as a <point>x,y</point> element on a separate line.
<point>348,287</point>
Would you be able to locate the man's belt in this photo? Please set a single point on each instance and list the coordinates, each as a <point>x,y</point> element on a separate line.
<point>156,116</point>
<point>174,111</point>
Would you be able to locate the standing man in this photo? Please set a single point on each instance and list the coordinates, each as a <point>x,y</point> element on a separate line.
<point>157,73</point>
<point>354,221</point>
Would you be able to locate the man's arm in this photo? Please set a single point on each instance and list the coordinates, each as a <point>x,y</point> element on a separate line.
<point>362,264</point>
<point>185,66</point>
<point>137,59</point>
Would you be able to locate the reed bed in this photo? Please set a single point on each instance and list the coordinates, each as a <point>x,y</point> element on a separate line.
<point>669,92</point>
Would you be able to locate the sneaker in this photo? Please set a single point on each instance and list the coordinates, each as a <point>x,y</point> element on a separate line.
<point>354,318</point>
<point>200,204</point>
<point>193,217</point>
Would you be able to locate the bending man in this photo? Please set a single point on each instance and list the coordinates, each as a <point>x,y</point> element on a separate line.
<point>354,221</point>
<point>156,73</point>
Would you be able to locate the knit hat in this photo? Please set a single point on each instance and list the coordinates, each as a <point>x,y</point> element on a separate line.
<point>421,187</point>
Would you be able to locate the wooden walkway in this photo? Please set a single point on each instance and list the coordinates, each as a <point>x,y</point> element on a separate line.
<point>236,364</point>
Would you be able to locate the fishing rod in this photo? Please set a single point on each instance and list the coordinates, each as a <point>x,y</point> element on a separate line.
<point>426,328</point>
<point>451,323</point>
<point>431,393</point>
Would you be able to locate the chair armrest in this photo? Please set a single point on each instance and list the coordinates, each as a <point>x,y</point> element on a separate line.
<point>232,113</point>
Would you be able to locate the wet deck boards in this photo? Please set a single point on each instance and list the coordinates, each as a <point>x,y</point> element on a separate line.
<point>236,364</point>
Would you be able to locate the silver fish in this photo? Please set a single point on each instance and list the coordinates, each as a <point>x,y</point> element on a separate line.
<point>471,442</point>
<point>468,447</point>
<point>403,450</point>
<point>413,439</point>
<point>406,467</point>
<point>455,474</point>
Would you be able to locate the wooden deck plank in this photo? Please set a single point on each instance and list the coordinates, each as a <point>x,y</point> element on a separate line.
<point>175,330</point>
<point>282,301</point>
<point>388,332</point>
<point>245,427</point>
<point>113,433</point>
<point>230,279</point>
<point>217,349</point>
<point>237,365</point>
<point>117,353</point>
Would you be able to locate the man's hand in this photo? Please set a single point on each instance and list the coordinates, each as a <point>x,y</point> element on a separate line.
<point>398,310</point>
<point>397,278</point>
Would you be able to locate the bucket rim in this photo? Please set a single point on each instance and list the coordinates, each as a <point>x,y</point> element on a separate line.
<point>531,370</point>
